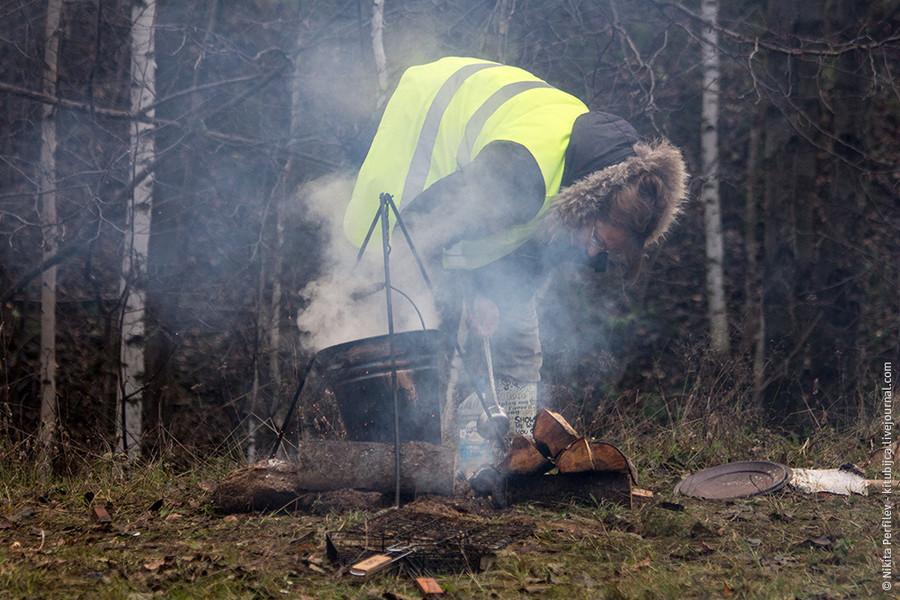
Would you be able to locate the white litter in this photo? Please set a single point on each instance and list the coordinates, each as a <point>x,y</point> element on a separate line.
<point>833,481</point>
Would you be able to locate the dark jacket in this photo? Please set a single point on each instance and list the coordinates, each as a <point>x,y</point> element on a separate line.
<point>503,187</point>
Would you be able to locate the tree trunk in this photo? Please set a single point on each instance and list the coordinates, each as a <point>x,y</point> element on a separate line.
<point>49,228</point>
<point>754,324</point>
<point>496,40</point>
<point>269,307</point>
<point>791,166</point>
<point>262,319</point>
<point>836,270</point>
<point>378,50</point>
<point>709,140</point>
<point>137,233</point>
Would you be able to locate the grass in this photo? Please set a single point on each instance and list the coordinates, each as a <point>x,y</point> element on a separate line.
<point>165,541</point>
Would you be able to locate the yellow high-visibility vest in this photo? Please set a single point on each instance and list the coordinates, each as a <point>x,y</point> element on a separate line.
<point>438,120</point>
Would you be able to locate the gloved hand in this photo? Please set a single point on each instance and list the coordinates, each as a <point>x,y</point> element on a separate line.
<point>484,317</point>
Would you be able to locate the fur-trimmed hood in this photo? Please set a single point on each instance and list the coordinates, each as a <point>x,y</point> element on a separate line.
<point>586,198</point>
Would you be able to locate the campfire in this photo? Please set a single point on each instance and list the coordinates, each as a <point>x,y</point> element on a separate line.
<point>601,472</point>
<point>555,464</point>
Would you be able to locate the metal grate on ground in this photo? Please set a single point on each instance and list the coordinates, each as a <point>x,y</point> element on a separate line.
<point>437,544</point>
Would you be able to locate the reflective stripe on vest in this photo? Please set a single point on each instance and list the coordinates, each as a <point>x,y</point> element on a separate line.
<point>421,159</point>
<point>439,119</point>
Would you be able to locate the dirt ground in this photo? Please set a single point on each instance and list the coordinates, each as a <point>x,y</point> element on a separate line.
<point>163,540</point>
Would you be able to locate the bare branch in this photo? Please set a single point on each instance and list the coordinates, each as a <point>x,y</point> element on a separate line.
<point>811,47</point>
<point>114,113</point>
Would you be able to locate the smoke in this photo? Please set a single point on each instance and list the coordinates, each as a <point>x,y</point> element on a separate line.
<point>349,301</point>
<point>346,302</point>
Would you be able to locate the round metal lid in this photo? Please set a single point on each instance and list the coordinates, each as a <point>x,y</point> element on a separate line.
<point>735,480</point>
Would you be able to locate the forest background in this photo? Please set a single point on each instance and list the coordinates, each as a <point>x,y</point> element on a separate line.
<point>221,135</point>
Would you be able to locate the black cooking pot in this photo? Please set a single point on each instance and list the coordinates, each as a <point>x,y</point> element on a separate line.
<point>359,374</point>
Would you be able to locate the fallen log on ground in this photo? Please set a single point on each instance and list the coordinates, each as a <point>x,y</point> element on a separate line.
<point>336,464</point>
<point>330,465</point>
<point>268,484</point>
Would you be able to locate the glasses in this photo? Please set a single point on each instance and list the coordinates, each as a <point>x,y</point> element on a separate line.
<point>596,241</point>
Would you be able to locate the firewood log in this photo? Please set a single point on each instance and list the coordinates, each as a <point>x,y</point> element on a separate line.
<point>577,458</point>
<point>329,465</point>
<point>338,464</point>
<point>609,458</point>
<point>552,433</point>
<point>523,457</point>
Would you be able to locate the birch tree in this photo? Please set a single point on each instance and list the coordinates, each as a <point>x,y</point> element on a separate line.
<point>137,233</point>
<point>709,141</point>
<point>49,226</point>
<point>378,50</point>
